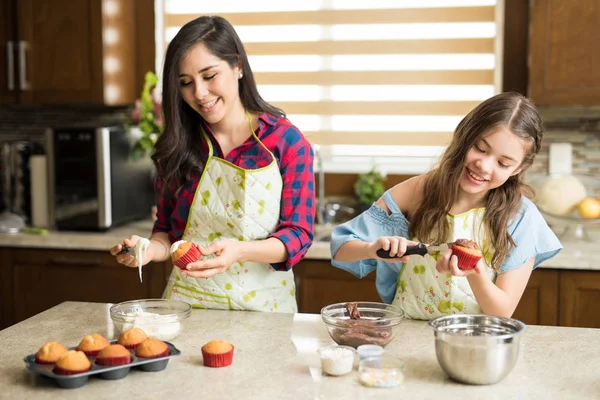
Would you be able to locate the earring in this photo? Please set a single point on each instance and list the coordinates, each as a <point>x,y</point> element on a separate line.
<point>241,74</point>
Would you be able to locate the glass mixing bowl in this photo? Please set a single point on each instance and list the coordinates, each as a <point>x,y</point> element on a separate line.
<point>378,323</point>
<point>162,319</point>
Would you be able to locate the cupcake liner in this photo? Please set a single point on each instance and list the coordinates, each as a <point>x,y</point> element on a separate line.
<point>163,354</point>
<point>130,346</point>
<point>112,361</point>
<point>190,256</point>
<point>91,353</point>
<point>217,360</point>
<point>466,260</point>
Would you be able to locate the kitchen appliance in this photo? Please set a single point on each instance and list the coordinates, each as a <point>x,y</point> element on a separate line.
<point>93,182</point>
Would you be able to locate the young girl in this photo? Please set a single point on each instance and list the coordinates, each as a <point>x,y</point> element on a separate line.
<point>475,193</point>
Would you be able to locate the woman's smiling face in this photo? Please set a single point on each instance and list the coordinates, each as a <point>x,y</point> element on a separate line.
<point>494,158</point>
<point>208,84</point>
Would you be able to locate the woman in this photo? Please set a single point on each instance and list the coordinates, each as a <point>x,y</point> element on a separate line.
<point>234,176</point>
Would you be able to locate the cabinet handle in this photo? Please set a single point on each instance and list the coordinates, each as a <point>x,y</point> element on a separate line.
<point>23,47</point>
<point>94,262</point>
<point>10,68</point>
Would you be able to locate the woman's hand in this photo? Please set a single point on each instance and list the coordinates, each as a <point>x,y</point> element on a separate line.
<point>395,245</point>
<point>448,264</point>
<point>129,260</point>
<point>227,253</point>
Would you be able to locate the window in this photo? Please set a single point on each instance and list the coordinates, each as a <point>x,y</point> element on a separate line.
<point>355,72</point>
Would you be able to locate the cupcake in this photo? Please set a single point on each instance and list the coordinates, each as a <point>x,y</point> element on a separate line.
<point>152,348</point>
<point>50,352</point>
<point>184,252</point>
<point>114,354</point>
<point>217,353</point>
<point>92,344</point>
<point>467,252</point>
<point>72,362</point>
<point>132,337</point>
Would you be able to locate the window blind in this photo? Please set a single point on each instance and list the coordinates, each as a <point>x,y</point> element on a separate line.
<point>350,72</point>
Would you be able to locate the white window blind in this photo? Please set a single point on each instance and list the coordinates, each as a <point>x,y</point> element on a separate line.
<point>395,72</point>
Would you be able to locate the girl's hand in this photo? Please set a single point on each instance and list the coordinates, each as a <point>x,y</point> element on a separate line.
<point>448,264</point>
<point>227,253</point>
<point>395,245</point>
<point>129,260</point>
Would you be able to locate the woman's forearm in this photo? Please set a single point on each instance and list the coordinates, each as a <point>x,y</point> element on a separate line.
<point>270,250</point>
<point>354,250</point>
<point>161,246</point>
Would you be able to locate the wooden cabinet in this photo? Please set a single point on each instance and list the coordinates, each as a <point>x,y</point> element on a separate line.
<point>34,280</point>
<point>539,303</point>
<point>564,63</point>
<point>68,52</point>
<point>579,299</point>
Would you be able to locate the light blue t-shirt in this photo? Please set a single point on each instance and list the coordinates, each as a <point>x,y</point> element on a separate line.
<point>530,232</point>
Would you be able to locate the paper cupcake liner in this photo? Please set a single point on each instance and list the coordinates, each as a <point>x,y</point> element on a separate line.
<point>466,260</point>
<point>130,346</point>
<point>112,361</point>
<point>163,354</point>
<point>190,256</point>
<point>91,353</point>
<point>218,360</point>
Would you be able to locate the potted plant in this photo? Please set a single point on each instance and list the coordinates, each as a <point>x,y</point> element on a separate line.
<point>368,188</point>
<point>146,119</point>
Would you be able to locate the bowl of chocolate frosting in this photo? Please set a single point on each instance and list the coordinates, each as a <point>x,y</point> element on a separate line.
<point>362,322</point>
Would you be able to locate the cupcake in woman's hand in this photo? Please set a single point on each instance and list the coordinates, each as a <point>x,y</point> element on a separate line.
<point>92,344</point>
<point>132,337</point>
<point>50,352</point>
<point>217,353</point>
<point>467,252</point>
<point>114,354</point>
<point>72,362</point>
<point>184,252</point>
<point>152,348</point>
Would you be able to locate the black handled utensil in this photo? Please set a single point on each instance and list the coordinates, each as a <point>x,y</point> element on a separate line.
<point>420,249</point>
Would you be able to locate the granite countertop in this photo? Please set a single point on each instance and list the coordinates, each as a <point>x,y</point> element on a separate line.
<point>275,358</point>
<point>577,254</point>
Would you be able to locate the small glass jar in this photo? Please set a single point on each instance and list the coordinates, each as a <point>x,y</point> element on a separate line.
<point>381,372</point>
<point>369,351</point>
<point>337,360</point>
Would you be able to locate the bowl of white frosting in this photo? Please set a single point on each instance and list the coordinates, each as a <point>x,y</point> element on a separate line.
<point>162,319</point>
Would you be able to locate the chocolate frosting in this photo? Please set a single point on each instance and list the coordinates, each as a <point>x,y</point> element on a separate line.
<point>466,243</point>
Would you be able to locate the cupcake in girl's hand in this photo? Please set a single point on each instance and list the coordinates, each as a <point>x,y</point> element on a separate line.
<point>217,353</point>
<point>184,252</point>
<point>72,362</point>
<point>132,337</point>
<point>92,344</point>
<point>50,352</point>
<point>152,348</point>
<point>467,252</point>
<point>114,354</point>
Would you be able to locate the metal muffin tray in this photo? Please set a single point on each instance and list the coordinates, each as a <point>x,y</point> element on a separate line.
<point>102,371</point>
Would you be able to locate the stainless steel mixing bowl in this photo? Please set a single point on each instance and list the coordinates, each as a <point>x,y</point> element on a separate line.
<point>477,349</point>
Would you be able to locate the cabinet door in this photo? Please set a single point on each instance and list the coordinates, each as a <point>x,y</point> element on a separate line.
<point>580,296</point>
<point>45,278</point>
<point>564,66</point>
<point>318,283</point>
<point>539,303</point>
<point>8,88</point>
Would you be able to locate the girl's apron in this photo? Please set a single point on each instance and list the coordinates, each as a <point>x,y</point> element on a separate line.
<point>423,293</point>
<point>233,203</point>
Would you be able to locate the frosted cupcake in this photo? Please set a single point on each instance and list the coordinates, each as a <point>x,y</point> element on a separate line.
<point>467,252</point>
<point>183,253</point>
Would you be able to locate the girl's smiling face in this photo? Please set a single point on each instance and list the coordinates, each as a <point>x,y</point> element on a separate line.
<point>209,85</point>
<point>494,158</point>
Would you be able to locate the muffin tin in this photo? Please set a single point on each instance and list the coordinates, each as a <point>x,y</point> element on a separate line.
<point>103,371</point>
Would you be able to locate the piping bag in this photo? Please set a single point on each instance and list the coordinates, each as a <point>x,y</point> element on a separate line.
<point>139,252</point>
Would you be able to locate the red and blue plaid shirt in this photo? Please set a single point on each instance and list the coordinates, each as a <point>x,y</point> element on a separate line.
<point>294,156</point>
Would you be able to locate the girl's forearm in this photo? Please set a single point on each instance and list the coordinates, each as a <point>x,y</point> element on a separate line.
<point>271,250</point>
<point>354,250</point>
<point>491,299</point>
<point>161,246</point>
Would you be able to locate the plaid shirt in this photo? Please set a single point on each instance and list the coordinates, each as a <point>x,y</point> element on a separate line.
<point>295,159</point>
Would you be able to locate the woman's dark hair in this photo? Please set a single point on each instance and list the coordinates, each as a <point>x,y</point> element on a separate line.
<point>178,152</point>
<point>520,116</point>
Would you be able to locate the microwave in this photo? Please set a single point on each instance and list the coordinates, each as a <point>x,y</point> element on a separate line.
<point>93,182</point>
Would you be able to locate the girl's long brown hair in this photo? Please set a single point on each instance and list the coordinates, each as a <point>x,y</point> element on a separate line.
<point>519,115</point>
<point>178,152</point>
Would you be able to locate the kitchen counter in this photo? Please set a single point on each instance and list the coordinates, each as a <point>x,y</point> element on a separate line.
<point>576,255</point>
<point>275,359</point>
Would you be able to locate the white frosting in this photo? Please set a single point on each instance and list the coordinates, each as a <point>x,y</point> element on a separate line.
<point>162,327</point>
<point>140,253</point>
<point>176,245</point>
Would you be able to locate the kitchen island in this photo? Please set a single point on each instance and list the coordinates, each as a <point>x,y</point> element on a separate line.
<point>275,358</point>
